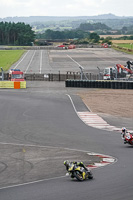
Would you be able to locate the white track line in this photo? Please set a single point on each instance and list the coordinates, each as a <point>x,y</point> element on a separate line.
<point>41,63</point>
<point>48,179</point>
<point>21,60</point>
<point>30,61</point>
<point>106,159</point>
<point>93,120</point>
<point>74,61</point>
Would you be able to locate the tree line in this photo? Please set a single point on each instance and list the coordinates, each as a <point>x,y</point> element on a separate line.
<point>16,34</point>
<point>21,34</point>
<point>67,34</point>
<point>78,36</point>
<point>83,31</point>
<point>93,27</point>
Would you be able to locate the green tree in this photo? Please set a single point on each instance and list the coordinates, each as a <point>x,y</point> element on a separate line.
<point>94,37</point>
<point>93,27</point>
<point>16,34</point>
<point>107,40</point>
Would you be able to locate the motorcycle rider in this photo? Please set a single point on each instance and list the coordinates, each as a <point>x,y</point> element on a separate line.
<point>81,164</point>
<point>123,132</point>
<point>67,163</point>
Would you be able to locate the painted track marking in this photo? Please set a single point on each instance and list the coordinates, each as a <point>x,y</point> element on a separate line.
<point>93,120</point>
<point>106,160</point>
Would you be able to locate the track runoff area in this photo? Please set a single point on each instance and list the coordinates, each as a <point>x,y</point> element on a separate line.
<point>63,61</point>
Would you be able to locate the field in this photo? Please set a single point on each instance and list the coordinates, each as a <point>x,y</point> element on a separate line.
<point>122,41</point>
<point>8,57</point>
<point>113,36</point>
<point>123,45</point>
<point>128,45</point>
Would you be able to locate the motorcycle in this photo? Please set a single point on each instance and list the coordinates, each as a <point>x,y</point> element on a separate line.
<point>79,173</point>
<point>128,138</point>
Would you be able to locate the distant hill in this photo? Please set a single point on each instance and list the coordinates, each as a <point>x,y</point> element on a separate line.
<point>32,19</point>
<point>42,23</point>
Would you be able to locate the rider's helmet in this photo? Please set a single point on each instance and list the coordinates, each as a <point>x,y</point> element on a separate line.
<point>123,130</point>
<point>66,162</point>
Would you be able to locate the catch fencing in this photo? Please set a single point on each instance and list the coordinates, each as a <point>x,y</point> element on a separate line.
<point>59,76</point>
<point>53,77</point>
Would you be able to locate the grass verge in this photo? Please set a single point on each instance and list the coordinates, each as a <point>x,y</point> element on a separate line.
<point>9,57</point>
<point>122,49</point>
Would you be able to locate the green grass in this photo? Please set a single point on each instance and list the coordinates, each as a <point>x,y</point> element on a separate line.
<point>128,46</point>
<point>8,57</point>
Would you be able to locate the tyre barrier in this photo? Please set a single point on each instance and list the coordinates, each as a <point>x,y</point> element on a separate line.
<point>99,84</point>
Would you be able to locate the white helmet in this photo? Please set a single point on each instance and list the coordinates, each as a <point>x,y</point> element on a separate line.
<point>123,129</point>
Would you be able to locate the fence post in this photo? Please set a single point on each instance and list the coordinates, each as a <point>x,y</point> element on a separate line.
<point>67,75</point>
<point>90,76</point>
<point>59,75</point>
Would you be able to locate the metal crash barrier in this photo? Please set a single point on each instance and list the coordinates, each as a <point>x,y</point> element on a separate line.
<point>99,84</point>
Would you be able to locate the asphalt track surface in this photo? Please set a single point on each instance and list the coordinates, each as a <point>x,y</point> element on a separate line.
<point>46,117</point>
<point>43,117</point>
<point>53,61</point>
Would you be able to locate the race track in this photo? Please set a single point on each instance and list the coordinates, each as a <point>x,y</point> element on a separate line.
<point>43,119</point>
<point>53,61</point>
<point>39,129</point>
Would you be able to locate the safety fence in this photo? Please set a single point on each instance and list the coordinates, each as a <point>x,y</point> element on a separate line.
<point>53,76</point>
<point>99,84</point>
<point>50,47</point>
<point>59,76</point>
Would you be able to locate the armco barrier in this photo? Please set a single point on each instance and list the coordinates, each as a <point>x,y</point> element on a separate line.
<point>13,84</point>
<point>99,84</point>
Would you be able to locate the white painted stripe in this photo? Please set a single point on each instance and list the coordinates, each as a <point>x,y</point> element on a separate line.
<point>106,160</point>
<point>100,164</point>
<point>96,165</point>
<point>94,122</point>
<point>12,186</point>
<point>110,160</point>
<point>72,103</point>
<point>21,60</point>
<point>30,61</point>
<point>92,119</point>
<point>74,61</point>
<point>41,62</point>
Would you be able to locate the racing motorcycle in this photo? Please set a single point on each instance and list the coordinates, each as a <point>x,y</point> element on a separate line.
<point>128,138</point>
<point>79,173</point>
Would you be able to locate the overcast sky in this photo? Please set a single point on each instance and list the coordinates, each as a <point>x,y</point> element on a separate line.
<point>12,8</point>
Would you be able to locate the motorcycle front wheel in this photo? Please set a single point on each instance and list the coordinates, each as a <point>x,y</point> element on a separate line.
<point>78,176</point>
<point>90,176</point>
